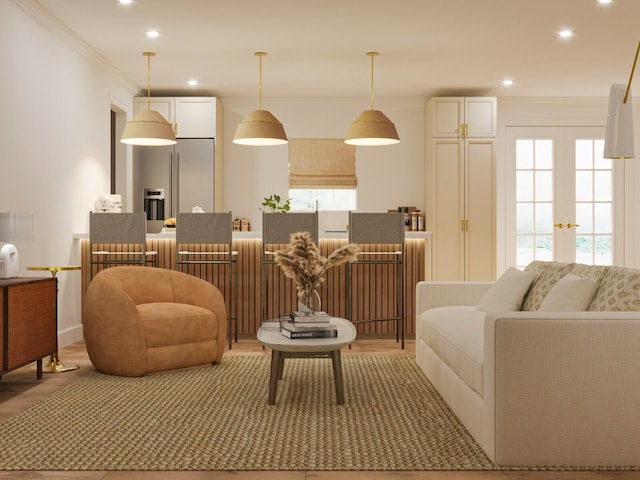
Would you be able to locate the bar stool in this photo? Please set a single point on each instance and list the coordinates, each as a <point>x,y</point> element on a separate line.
<point>119,239</point>
<point>380,237</point>
<point>276,233</point>
<point>205,239</point>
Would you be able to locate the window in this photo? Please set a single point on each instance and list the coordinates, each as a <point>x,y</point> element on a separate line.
<point>322,175</point>
<point>323,199</point>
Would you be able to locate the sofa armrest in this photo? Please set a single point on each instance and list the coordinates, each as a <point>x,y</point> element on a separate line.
<point>113,329</point>
<point>446,294</point>
<point>562,387</point>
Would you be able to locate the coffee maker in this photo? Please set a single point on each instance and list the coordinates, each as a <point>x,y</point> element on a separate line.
<point>154,203</point>
<point>109,203</point>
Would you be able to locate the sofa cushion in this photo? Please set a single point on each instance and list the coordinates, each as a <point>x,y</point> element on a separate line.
<point>176,324</point>
<point>548,275</point>
<point>619,290</point>
<point>507,293</point>
<point>456,335</point>
<point>570,293</point>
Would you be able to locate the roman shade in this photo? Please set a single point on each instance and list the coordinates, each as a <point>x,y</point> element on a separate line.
<point>321,163</point>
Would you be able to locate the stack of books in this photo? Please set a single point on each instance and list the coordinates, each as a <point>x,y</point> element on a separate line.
<point>308,325</point>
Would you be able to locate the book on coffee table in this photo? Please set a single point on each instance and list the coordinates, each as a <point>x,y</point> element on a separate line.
<point>309,317</point>
<point>328,333</point>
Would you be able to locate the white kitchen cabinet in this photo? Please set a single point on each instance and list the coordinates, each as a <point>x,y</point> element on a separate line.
<point>461,192</point>
<point>191,117</point>
<point>462,117</point>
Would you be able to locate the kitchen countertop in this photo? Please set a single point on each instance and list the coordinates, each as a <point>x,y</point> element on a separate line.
<point>257,235</point>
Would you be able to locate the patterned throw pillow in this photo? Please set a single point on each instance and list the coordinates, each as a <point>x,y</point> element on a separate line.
<point>548,275</point>
<point>619,290</point>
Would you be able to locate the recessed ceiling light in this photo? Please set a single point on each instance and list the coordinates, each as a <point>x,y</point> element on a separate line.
<point>192,83</point>
<point>565,33</point>
<point>153,34</point>
<point>507,82</point>
<point>126,2</point>
<point>605,2</point>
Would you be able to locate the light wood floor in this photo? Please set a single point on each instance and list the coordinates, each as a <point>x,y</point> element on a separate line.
<point>20,389</point>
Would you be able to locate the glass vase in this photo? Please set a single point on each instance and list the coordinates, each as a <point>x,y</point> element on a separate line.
<point>309,301</point>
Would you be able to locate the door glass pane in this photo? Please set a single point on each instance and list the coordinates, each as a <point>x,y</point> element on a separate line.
<point>524,219</point>
<point>524,154</point>
<point>543,154</point>
<point>603,250</point>
<point>524,180</point>
<point>544,217</point>
<point>602,218</point>
<point>602,186</point>
<point>584,154</point>
<point>584,186</point>
<point>544,186</point>
<point>584,217</point>
<point>584,249</point>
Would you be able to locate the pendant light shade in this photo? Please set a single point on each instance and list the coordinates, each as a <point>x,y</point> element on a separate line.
<point>260,127</point>
<point>618,140</point>
<point>148,127</point>
<point>372,127</point>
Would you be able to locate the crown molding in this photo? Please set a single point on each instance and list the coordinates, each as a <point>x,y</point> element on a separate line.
<point>45,18</point>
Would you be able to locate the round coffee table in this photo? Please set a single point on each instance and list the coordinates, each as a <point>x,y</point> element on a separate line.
<point>282,347</point>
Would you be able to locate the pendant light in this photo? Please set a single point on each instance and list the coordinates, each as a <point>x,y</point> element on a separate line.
<point>260,127</point>
<point>618,139</point>
<point>372,127</point>
<point>148,127</point>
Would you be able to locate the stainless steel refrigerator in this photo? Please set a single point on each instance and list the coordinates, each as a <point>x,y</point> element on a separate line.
<point>173,179</point>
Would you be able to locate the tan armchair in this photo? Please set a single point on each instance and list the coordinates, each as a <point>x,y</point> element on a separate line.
<point>139,320</point>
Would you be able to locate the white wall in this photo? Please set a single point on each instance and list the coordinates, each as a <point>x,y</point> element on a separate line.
<point>388,176</point>
<point>55,99</point>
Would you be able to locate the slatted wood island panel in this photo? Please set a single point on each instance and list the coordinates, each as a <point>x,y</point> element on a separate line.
<point>373,286</point>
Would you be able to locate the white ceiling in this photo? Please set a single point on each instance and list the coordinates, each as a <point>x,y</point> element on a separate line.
<point>317,48</point>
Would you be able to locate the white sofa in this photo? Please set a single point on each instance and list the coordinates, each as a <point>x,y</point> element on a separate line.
<point>539,388</point>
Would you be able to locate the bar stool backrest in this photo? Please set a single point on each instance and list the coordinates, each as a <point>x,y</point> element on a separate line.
<point>278,227</point>
<point>117,228</point>
<point>376,228</point>
<point>203,228</point>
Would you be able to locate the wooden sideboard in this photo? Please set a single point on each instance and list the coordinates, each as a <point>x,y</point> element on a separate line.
<point>29,321</point>
<point>373,286</point>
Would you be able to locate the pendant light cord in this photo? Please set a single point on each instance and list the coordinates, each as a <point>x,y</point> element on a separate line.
<point>148,55</point>
<point>372,54</point>
<point>260,55</point>
<point>633,69</point>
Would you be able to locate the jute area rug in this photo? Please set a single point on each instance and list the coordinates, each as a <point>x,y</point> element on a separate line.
<point>217,418</point>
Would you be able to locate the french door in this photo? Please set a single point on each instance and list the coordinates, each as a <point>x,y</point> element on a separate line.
<point>564,201</point>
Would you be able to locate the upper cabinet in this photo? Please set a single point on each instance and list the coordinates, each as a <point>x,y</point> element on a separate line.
<point>462,117</point>
<point>191,117</point>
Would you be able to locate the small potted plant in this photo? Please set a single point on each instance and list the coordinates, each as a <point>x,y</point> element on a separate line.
<point>274,203</point>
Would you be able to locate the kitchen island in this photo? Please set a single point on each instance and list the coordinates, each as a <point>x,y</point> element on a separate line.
<point>372,285</point>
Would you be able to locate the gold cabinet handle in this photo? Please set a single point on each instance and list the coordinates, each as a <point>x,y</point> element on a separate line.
<point>559,225</point>
<point>466,225</point>
<point>466,129</point>
<point>569,225</point>
<point>462,225</point>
